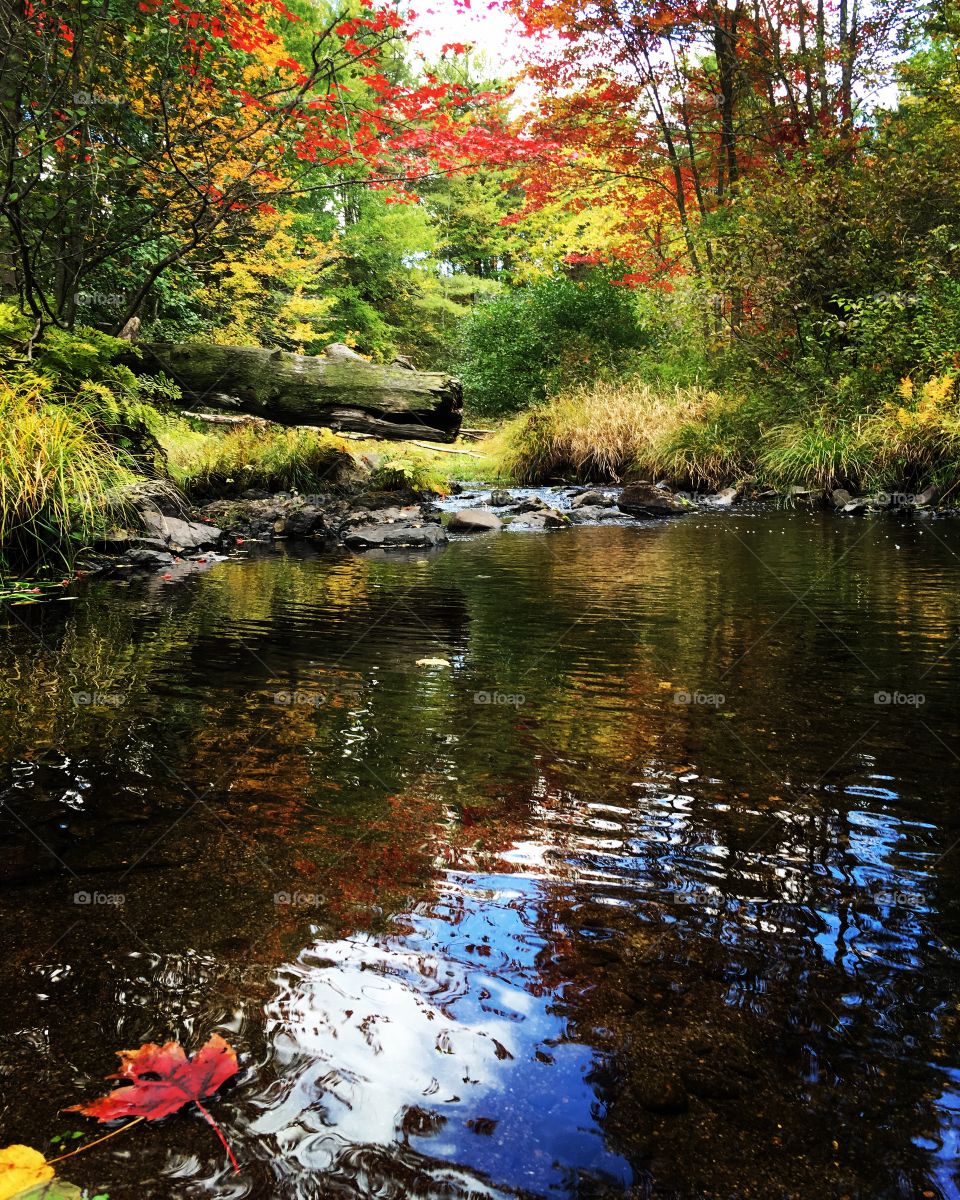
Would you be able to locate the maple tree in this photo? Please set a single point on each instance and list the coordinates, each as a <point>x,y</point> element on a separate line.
<point>660,113</point>
<point>163,129</point>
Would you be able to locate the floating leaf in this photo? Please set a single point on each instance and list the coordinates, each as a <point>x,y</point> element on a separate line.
<point>53,1189</point>
<point>21,1167</point>
<point>156,1081</point>
<point>159,1080</point>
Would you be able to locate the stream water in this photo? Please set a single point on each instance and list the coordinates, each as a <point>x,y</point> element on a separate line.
<point>646,882</point>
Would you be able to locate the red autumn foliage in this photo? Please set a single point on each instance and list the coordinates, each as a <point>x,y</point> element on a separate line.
<point>157,1081</point>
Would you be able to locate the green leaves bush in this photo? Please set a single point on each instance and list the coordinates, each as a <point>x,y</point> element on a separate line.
<point>532,342</point>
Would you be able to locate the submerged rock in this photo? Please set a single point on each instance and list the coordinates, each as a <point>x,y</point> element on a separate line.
<point>589,514</point>
<point>499,498</point>
<point>541,518</point>
<point>390,537</point>
<point>148,560</point>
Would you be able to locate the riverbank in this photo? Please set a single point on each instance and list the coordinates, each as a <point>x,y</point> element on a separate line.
<point>166,533</point>
<point>694,438</point>
<point>177,538</point>
<point>95,459</point>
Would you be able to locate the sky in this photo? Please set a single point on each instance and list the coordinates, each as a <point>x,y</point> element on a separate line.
<point>438,22</point>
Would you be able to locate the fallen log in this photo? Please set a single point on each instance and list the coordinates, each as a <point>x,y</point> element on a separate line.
<point>338,390</point>
<point>446,449</point>
<point>226,418</point>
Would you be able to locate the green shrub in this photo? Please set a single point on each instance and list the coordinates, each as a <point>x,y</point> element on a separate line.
<point>81,371</point>
<point>531,342</point>
<point>396,474</point>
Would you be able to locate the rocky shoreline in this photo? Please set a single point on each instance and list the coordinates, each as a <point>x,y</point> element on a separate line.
<point>164,530</point>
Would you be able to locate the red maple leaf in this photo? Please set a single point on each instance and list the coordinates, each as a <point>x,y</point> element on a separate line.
<point>156,1081</point>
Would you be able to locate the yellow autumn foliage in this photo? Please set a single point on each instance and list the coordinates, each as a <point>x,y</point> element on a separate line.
<point>21,1167</point>
<point>242,294</point>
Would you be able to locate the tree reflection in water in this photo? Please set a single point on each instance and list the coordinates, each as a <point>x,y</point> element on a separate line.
<point>590,941</point>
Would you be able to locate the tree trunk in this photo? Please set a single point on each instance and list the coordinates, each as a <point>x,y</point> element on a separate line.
<point>338,390</point>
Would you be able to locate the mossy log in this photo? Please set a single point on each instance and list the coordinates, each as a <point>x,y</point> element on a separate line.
<point>338,390</point>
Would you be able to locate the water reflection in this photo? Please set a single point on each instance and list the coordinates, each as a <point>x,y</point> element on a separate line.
<point>441,1044</point>
<point>644,893</point>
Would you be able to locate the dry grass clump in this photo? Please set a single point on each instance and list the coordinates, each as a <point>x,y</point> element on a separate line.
<point>603,433</point>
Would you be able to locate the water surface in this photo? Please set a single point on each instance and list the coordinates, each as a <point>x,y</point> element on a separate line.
<point>651,890</point>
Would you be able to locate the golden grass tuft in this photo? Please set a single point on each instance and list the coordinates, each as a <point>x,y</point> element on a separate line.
<point>57,473</point>
<point>603,433</point>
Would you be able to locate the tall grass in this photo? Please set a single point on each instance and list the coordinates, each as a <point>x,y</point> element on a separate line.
<point>698,439</point>
<point>603,433</point>
<point>57,474</point>
<point>820,452</point>
<point>222,464</point>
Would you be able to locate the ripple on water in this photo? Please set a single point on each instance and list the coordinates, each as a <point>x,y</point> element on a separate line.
<point>677,913</point>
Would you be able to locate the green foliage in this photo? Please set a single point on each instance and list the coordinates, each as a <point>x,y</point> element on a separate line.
<point>374,278</point>
<point>531,342</point>
<point>57,473</point>
<point>227,464</point>
<point>468,211</point>
<point>400,472</point>
<point>81,371</point>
